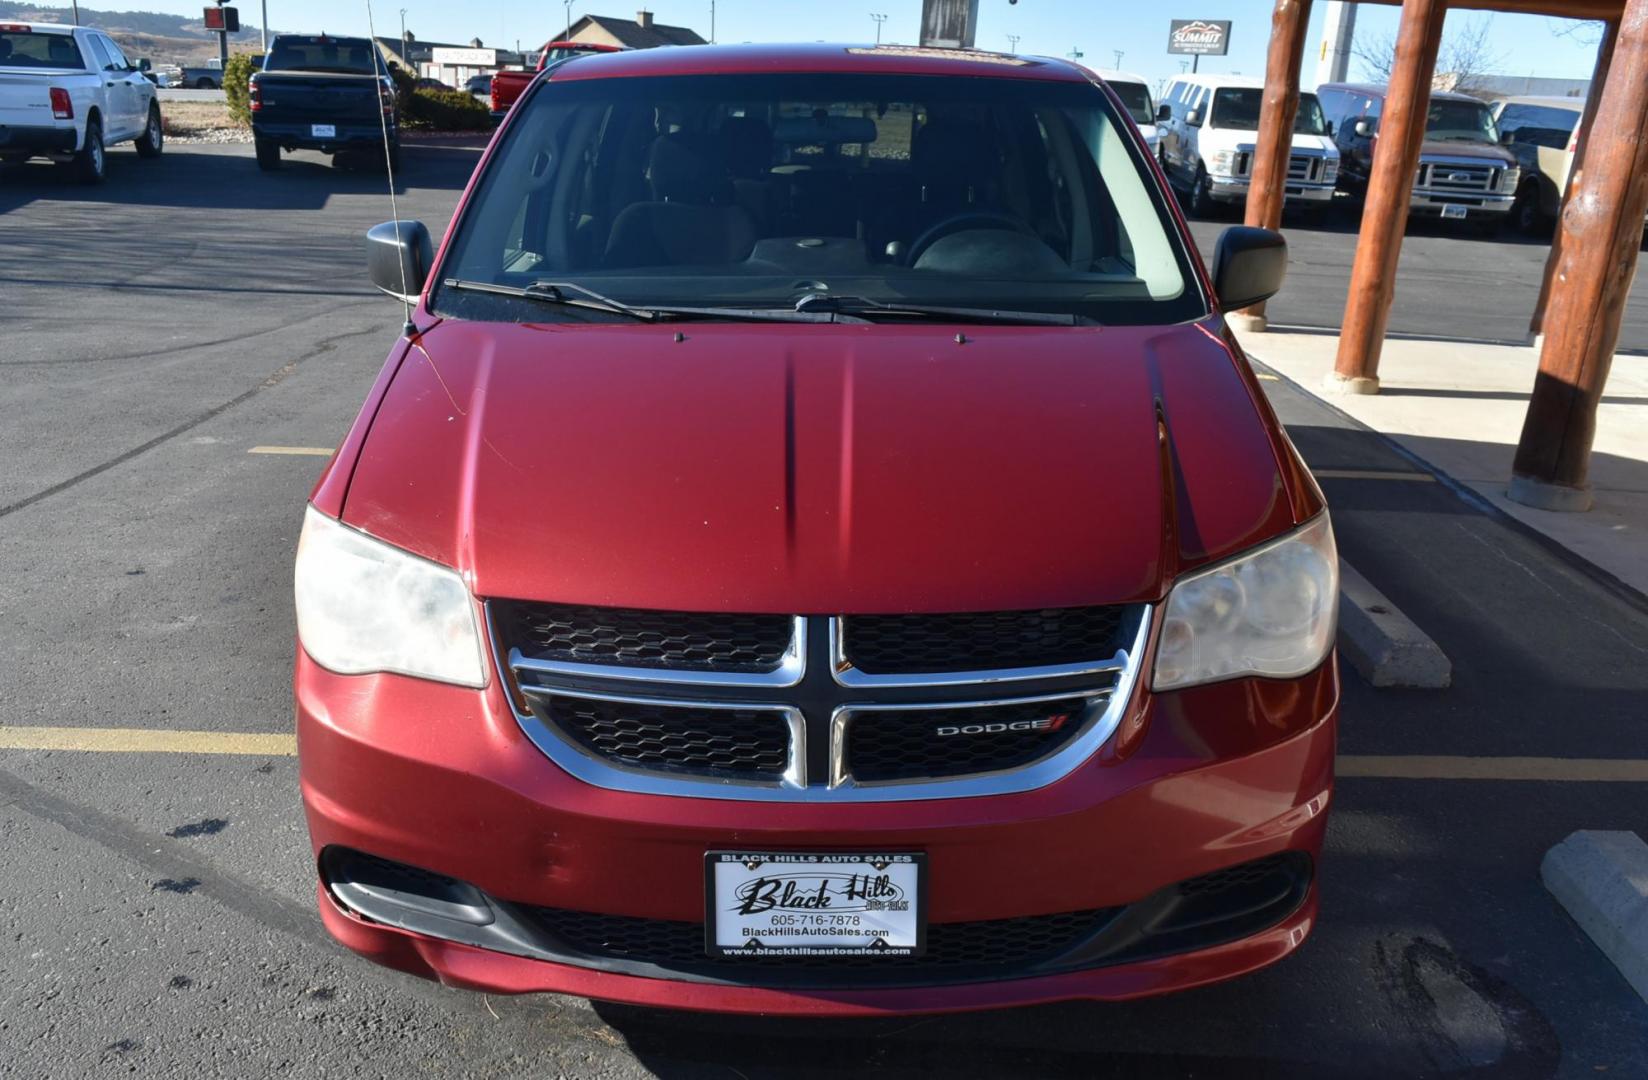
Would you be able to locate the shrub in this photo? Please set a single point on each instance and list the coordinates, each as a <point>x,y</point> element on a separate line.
<point>444,110</point>
<point>235,79</point>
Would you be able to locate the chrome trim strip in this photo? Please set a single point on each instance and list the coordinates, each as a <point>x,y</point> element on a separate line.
<point>846,675</point>
<point>606,773</point>
<point>789,672</point>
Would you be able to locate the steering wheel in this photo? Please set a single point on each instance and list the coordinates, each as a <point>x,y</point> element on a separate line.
<point>967,219</point>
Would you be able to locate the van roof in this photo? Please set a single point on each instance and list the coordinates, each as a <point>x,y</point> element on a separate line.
<point>1549,101</point>
<point>1243,81</point>
<point>1113,75</point>
<point>1376,90</point>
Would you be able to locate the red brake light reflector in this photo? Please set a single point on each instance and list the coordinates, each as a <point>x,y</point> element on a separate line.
<point>62,106</point>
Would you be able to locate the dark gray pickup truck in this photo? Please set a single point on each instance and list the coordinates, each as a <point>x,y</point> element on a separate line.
<point>318,92</point>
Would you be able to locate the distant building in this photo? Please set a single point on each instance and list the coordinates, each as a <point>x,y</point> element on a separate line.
<point>449,62</point>
<point>1497,86</point>
<point>637,33</point>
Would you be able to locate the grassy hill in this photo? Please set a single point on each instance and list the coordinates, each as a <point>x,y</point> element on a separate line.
<point>165,39</point>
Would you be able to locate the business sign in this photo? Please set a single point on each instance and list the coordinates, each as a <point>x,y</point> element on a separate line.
<point>1199,37</point>
<point>224,20</point>
<point>444,57</point>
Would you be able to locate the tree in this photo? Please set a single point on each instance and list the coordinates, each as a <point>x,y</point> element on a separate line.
<point>1464,58</point>
<point>236,78</point>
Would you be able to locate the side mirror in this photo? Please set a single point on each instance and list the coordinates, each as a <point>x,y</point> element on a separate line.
<point>1194,118</point>
<point>399,257</point>
<point>1506,138</point>
<point>1328,129</point>
<point>144,65</point>
<point>1363,129</point>
<point>1164,113</point>
<point>1248,266</point>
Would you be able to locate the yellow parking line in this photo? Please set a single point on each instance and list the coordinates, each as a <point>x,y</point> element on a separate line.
<point>1373,474</point>
<point>1419,767</point>
<point>1359,766</point>
<point>146,741</point>
<point>296,451</point>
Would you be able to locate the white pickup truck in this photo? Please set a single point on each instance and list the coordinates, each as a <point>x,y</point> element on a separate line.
<point>67,93</point>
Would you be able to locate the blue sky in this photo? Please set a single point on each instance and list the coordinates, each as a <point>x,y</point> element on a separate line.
<point>1528,44</point>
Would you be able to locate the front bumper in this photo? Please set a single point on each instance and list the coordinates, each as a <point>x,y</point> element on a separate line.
<point>38,140</point>
<point>1430,204</point>
<point>1234,190</point>
<point>443,778</point>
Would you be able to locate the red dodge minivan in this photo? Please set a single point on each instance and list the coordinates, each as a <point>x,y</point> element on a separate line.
<point>817,549</point>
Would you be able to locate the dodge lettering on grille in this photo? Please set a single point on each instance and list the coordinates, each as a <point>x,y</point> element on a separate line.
<point>1046,723</point>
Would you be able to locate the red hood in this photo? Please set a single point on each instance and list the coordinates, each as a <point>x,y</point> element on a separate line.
<point>819,468</point>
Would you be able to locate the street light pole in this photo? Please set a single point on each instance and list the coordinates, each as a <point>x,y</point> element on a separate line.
<point>76,4</point>
<point>712,22</point>
<point>568,35</point>
<point>1119,55</point>
<point>263,29</point>
<point>1012,43</point>
<point>879,19</point>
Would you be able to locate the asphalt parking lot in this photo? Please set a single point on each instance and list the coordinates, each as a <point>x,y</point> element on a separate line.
<point>156,908</point>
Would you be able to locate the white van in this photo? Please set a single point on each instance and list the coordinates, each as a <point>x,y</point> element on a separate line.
<point>1135,94</point>
<point>1208,128</point>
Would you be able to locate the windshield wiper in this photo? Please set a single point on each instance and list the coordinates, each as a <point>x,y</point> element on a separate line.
<point>864,306</point>
<point>571,294</point>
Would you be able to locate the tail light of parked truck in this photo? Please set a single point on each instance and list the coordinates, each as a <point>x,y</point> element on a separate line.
<point>254,95</point>
<point>62,105</point>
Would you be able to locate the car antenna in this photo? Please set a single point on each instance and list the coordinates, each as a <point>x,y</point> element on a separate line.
<point>411,328</point>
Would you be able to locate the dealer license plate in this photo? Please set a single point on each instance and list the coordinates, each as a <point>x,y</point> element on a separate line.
<point>814,904</point>
<point>1453,211</point>
<point>323,131</point>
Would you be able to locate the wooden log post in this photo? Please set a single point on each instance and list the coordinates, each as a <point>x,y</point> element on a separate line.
<point>1601,232</point>
<point>1599,78</point>
<point>1267,189</point>
<point>1390,186</point>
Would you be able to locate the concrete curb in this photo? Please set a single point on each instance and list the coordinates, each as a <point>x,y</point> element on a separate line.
<point>1383,644</point>
<point>1601,878</point>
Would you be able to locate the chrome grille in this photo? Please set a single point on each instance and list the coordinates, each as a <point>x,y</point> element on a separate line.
<point>1305,168</point>
<point>1463,178</point>
<point>884,707</point>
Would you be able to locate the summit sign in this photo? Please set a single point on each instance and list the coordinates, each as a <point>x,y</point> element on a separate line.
<point>1199,37</point>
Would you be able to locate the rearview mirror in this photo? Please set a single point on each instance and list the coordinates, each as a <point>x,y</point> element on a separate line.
<point>1164,113</point>
<point>1363,129</point>
<point>1248,266</point>
<point>398,258</point>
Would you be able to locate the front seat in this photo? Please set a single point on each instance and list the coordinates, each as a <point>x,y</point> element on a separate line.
<point>693,218</point>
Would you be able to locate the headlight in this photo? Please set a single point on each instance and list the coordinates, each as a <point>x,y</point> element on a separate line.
<point>1330,171</point>
<point>1222,162</point>
<point>364,606</point>
<point>1269,612</point>
<point>1513,177</point>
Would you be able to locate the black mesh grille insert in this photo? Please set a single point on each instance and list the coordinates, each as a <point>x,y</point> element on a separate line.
<point>906,744</point>
<point>918,644</point>
<point>995,948</point>
<point>626,637</point>
<point>748,743</point>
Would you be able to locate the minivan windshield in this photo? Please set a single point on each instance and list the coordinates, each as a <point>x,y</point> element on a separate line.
<point>1460,121</point>
<point>779,192</point>
<point>1238,108</point>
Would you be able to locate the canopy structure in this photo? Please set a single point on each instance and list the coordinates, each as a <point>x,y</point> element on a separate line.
<point>1593,256</point>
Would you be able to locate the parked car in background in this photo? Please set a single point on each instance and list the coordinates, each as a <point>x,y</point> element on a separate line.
<point>318,92</point>
<point>431,84</point>
<point>821,551</point>
<point>1542,132</point>
<point>1464,174</point>
<point>1135,94</point>
<point>207,77</point>
<point>479,85</point>
<point>1208,127</point>
<point>68,93</point>
<point>508,86</point>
